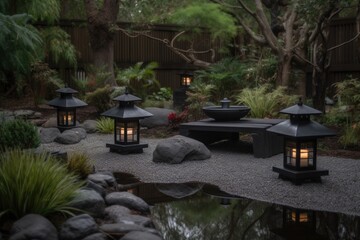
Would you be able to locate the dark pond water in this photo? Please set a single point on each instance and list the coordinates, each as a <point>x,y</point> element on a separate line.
<point>199,211</point>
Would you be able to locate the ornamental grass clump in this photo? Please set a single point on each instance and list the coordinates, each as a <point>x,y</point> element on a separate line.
<point>105,125</point>
<point>34,183</point>
<point>79,164</point>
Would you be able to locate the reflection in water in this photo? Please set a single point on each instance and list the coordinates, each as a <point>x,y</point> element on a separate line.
<point>211,214</point>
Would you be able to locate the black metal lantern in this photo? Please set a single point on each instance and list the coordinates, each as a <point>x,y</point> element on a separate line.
<point>127,127</point>
<point>66,106</point>
<point>300,144</point>
<point>186,79</point>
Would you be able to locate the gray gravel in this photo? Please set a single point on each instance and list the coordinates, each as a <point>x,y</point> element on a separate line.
<point>236,173</point>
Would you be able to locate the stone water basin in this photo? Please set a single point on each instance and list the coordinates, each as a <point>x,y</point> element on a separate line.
<point>225,112</point>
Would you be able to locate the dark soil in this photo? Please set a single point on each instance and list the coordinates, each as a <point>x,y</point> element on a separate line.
<point>328,146</point>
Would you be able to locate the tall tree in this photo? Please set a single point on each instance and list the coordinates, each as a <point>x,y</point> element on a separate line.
<point>101,20</point>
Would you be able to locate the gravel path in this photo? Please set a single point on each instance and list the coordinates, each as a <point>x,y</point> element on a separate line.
<point>236,173</point>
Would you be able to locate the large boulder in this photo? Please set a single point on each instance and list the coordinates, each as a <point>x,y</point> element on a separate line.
<point>90,201</point>
<point>78,227</point>
<point>128,200</point>
<point>33,226</point>
<point>179,148</point>
<point>48,135</point>
<point>159,118</point>
<point>71,136</point>
<point>50,123</point>
<point>89,126</point>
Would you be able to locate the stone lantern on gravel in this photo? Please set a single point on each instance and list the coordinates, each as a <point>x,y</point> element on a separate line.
<point>126,124</point>
<point>66,106</point>
<point>300,144</point>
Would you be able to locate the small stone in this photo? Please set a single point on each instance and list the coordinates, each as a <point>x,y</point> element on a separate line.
<point>90,201</point>
<point>128,200</point>
<point>102,179</point>
<point>50,123</point>
<point>78,227</point>
<point>96,236</point>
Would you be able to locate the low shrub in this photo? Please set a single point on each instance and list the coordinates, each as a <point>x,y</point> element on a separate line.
<point>105,125</point>
<point>79,164</point>
<point>100,98</point>
<point>18,133</point>
<point>34,183</point>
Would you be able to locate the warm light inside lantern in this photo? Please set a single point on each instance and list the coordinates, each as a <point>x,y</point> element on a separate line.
<point>129,134</point>
<point>186,80</point>
<point>68,118</point>
<point>304,157</point>
<point>303,217</point>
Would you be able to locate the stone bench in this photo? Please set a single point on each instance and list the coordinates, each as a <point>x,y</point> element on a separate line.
<point>265,144</point>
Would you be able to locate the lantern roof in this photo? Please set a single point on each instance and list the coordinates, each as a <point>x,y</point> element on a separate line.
<point>66,100</point>
<point>66,90</point>
<point>300,109</point>
<point>127,97</point>
<point>127,112</point>
<point>309,129</point>
<point>126,108</point>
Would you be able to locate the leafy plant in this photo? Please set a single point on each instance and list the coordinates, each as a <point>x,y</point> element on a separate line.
<point>34,183</point>
<point>176,119</point>
<point>100,98</point>
<point>348,93</point>
<point>79,164</point>
<point>18,133</point>
<point>264,101</point>
<point>96,77</point>
<point>197,97</point>
<point>42,81</point>
<point>199,15</point>
<point>105,125</point>
<point>350,136</point>
<point>19,43</point>
<point>58,45</point>
<point>164,94</point>
<point>139,78</point>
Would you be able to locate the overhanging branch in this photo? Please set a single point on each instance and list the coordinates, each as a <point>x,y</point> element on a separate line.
<point>189,55</point>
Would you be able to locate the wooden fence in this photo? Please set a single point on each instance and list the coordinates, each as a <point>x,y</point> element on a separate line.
<point>345,60</point>
<point>128,51</point>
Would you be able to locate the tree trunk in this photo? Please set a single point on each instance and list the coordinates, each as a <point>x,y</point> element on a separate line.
<point>320,86</point>
<point>283,70</point>
<point>99,22</point>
